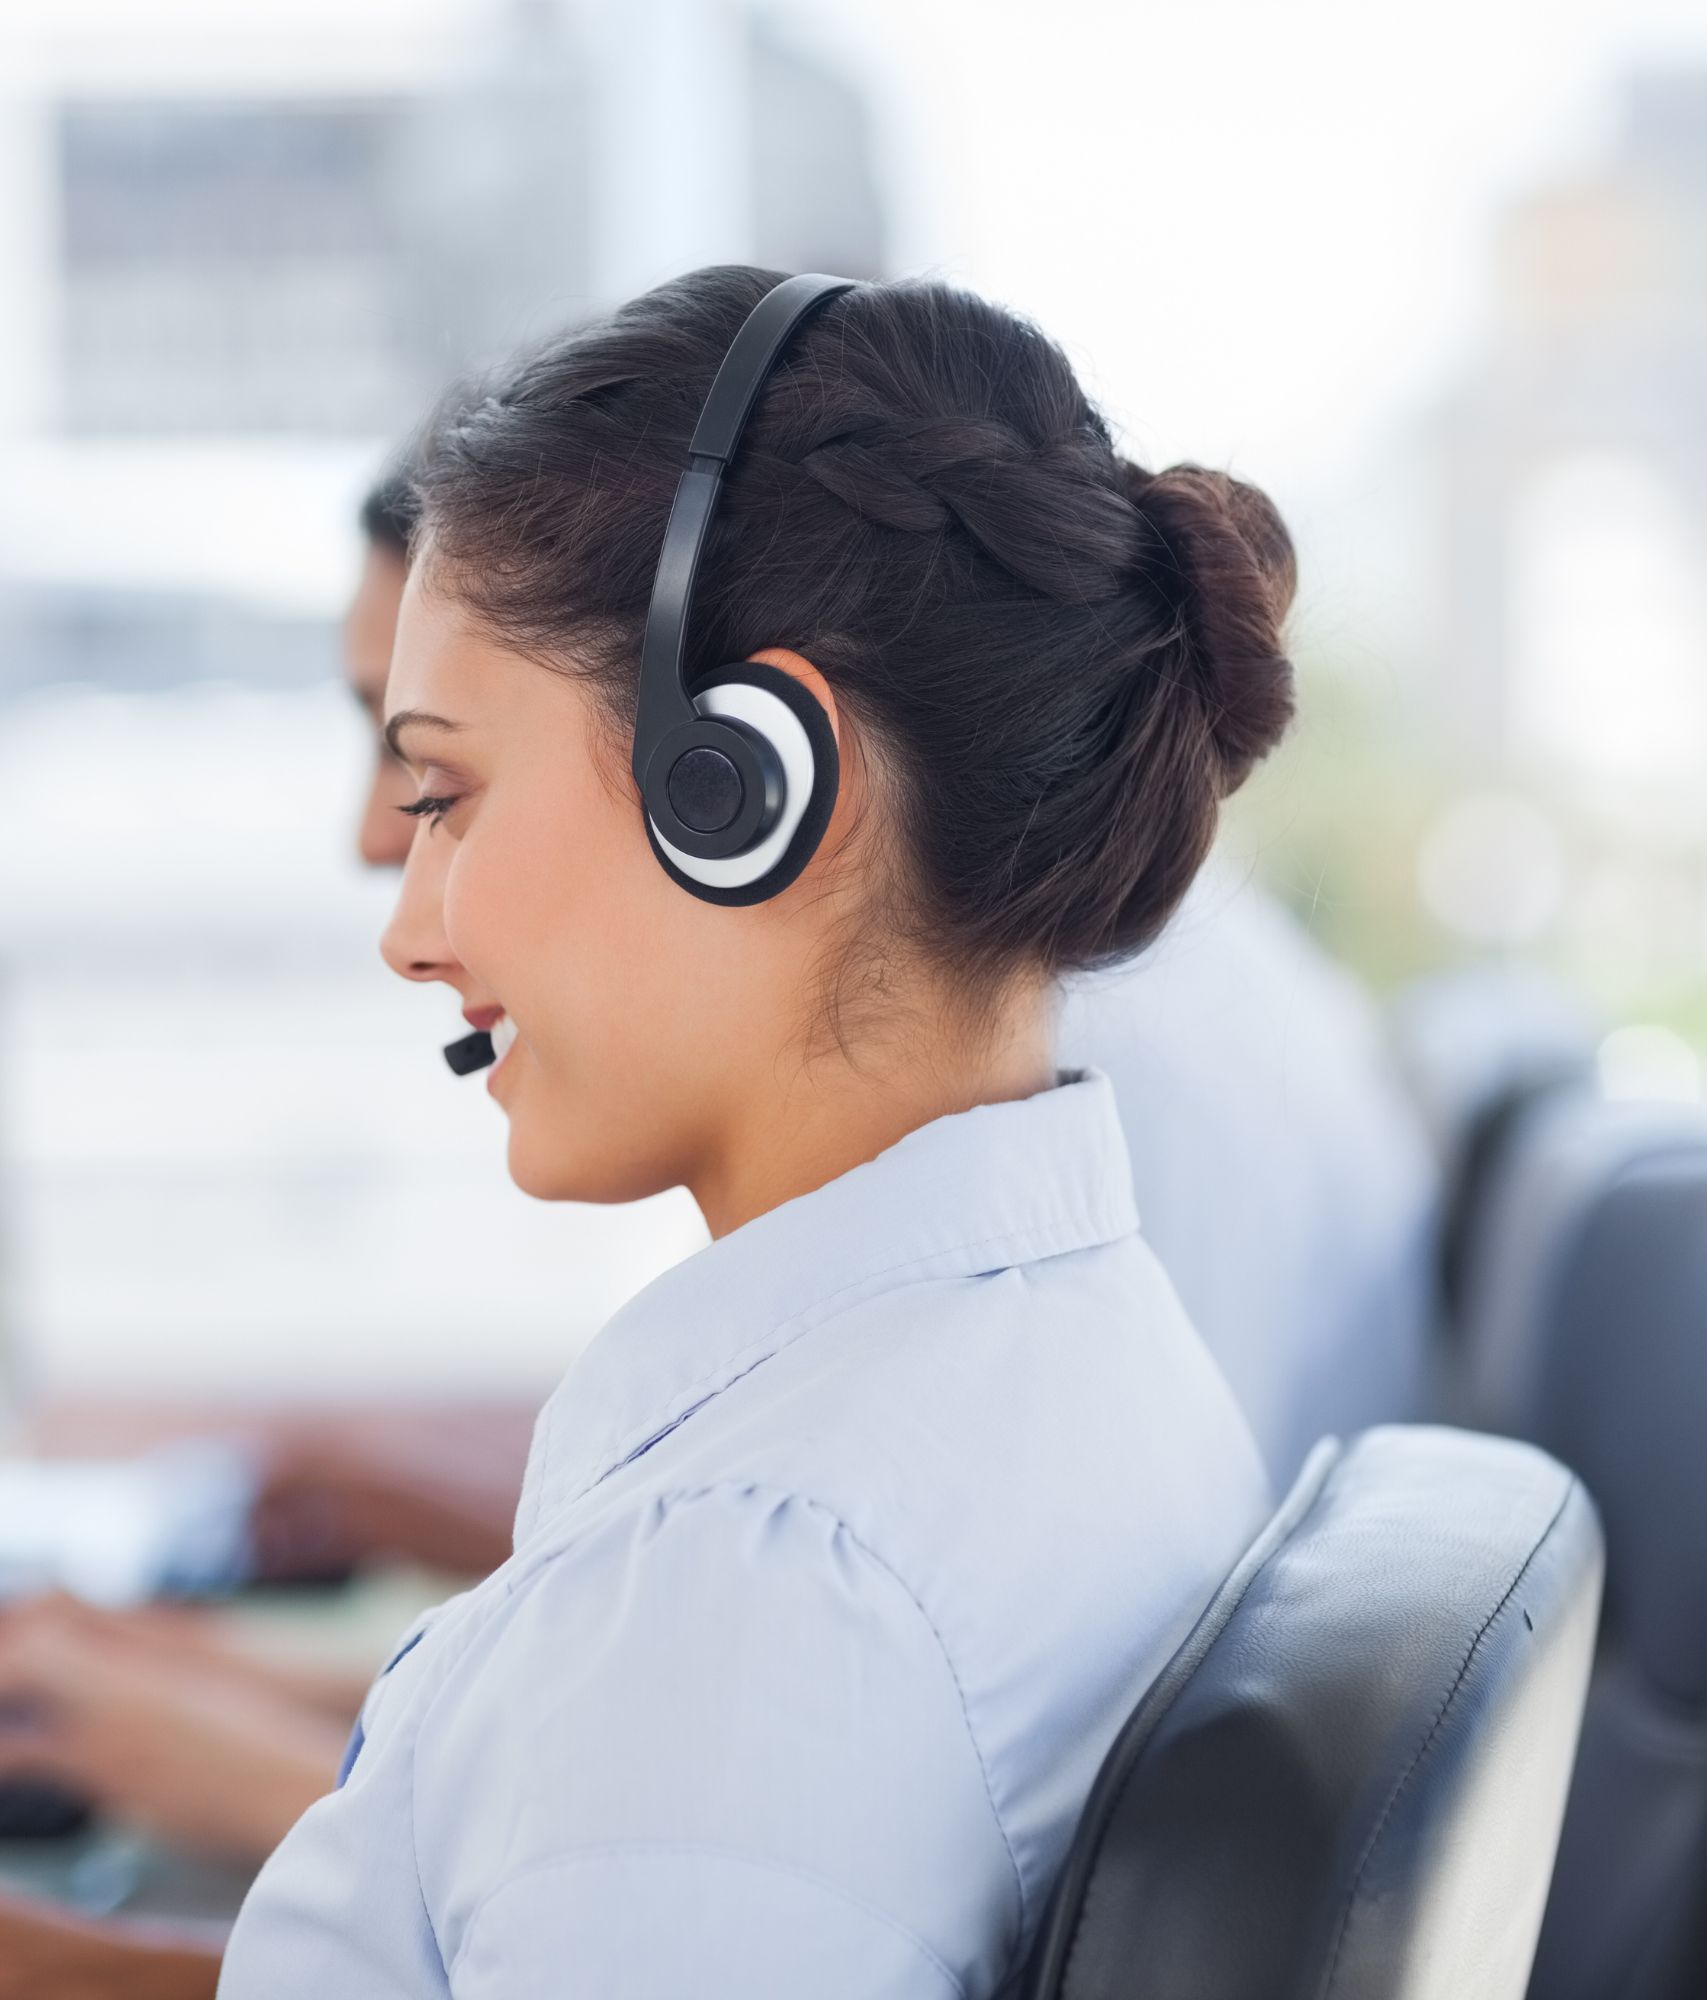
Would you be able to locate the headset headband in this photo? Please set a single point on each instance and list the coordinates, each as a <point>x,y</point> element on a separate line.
<point>664,704</point>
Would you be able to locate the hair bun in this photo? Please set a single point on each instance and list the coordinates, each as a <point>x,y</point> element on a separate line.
<point>1233,569</point>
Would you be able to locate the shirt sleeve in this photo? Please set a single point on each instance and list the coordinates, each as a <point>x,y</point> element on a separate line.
<point>717,1748</point>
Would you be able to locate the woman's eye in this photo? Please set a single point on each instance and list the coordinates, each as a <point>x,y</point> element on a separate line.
<point>428,808</point>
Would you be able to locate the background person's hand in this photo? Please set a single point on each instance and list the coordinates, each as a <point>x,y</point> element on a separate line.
<point>159,1727</point>
<point>432,1487</point>
<point>49,1954</point>
<point>340,1489</point>
<point>197,1639</point>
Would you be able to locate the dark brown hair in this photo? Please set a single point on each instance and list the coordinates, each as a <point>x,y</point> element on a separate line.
<point>1063,661</point>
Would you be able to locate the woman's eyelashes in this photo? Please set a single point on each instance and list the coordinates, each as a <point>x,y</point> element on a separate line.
<point>431,808</point>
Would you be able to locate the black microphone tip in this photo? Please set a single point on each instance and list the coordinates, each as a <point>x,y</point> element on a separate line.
<point>470,1052</point>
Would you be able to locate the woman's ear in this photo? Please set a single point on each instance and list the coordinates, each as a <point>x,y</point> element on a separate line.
<point>785,699</point>
<point>801,669</point>
<point>854,777</point>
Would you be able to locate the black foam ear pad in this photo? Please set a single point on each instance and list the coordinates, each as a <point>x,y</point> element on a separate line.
<point>826,781</point>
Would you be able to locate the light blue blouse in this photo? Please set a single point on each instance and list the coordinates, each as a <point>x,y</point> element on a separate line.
<point>842,1552</point>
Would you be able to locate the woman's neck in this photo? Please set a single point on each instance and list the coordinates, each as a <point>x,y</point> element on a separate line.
<point>839,1111</point>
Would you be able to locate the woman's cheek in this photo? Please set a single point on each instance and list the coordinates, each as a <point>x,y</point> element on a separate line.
<point>478,892</point>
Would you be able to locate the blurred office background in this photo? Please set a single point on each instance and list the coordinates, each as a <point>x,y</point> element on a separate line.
<point>1439,283</point>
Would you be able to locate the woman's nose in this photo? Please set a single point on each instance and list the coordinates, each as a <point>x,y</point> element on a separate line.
<point>413,942</point>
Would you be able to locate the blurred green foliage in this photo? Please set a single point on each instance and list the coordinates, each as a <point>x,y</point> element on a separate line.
<point>1335,822</point>
<point>1332,823</point>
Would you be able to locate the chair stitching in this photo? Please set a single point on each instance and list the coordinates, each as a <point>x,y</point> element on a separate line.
<point>1422,1749</point>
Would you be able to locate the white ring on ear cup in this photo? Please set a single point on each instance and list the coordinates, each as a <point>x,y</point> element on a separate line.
<point>772,717</point>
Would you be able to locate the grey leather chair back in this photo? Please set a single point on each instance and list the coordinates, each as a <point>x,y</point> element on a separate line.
<point>1348,1782</point>
<point>1584,1325</point>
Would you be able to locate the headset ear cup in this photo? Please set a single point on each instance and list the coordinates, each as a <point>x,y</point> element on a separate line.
<point>821,801</point>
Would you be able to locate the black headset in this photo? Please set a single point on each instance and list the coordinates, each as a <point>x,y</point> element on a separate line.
<point>737,773</point>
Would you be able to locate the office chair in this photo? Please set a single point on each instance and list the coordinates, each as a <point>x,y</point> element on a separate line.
<point>1584,1327</point>
<point>1347,1784</point>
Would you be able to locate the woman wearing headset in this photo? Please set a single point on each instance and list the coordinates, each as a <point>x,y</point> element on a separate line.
<point>848,1543</point>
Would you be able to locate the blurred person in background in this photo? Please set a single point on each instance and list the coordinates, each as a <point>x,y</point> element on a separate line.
<point>1281,1170</point>
<point>347,1489</point>
<point>155,1715</point>
<point>336,1492</point>
<point>434,1486</point>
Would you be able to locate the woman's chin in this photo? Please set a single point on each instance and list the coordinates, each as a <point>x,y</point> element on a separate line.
<point>551,1173</point>
<point>545,1175</point>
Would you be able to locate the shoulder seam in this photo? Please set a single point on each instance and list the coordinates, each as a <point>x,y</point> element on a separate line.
<point>743,1487</point>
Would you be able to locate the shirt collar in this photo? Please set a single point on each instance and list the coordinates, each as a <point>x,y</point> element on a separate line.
<point>977,1190</point>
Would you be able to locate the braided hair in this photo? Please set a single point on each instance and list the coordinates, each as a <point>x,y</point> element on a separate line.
<point>1060,661</point>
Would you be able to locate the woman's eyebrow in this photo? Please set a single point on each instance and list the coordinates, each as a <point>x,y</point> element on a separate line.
<point>413,718</point>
